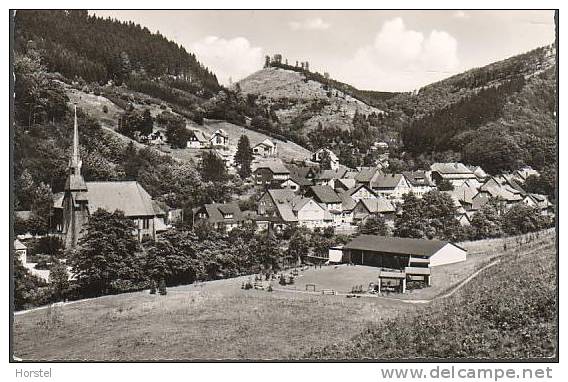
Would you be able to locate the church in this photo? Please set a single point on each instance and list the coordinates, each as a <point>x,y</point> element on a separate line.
<point>81,198</point>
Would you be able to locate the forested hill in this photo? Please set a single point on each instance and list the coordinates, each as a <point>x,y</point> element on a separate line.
<point>499,116</point>
<point>98,50</point>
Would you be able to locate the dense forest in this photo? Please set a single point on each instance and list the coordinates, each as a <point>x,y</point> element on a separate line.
<point>500,116</point>
<point>94,49</point>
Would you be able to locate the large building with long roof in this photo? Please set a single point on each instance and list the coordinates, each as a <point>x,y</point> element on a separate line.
<point>81,199</point>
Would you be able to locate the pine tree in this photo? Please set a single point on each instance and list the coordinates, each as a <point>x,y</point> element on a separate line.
<point>243,157</point>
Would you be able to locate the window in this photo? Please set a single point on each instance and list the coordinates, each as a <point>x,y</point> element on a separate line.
<point>145,223</point>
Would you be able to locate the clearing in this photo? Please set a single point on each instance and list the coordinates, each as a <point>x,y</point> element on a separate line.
<point>219,320</point>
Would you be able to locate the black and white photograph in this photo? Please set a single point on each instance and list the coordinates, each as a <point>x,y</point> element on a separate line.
<point>283,185</point>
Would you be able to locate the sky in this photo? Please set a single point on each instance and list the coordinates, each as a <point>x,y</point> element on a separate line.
<point>372,50</point>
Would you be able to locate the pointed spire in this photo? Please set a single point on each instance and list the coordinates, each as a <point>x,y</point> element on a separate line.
<point>75,181</point>
<point>75,162</point>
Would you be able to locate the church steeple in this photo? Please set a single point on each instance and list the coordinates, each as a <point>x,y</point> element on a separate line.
<point>75,161</point>
<point>75,181</point>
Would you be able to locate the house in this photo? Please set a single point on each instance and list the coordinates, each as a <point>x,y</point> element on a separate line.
<point>399,253</point>
<point>479,173</point>
<point>497,190</point>
<point>420,182</point>
<point>341,185</point>
<point>456,173</point>
<point>523,173</point>
<point>284,207</point>
<point>222,216</point>
<point>219,138</point>
<point>327,177</point>
<point>367,175</point>
<point>334,160</point>
<point>541,202</point>
<point>392,186</point>
<point>267,203</point>
<point>266,148</point>
<point>21,251</point>
<point>197,140</point>
<point>271,173</point>
<point>83,198</point>
<point>374,206</point>
<point>166,216</point>
<point>300,178</point>
<point>326,196</point>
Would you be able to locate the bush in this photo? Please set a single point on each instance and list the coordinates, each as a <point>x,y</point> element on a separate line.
<point>162,288</point>
<point>152,287</point>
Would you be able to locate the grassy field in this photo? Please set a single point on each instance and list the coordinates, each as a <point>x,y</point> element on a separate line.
<point>507,312</point>
<point>219,320</point>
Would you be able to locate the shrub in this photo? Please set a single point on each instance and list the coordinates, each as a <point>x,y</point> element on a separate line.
<point>162,288</point>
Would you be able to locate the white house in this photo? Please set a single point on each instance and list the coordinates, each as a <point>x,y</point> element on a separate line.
<point>197,140</point>
<point>317,157</point>
<point>266,148</point>
<point>219,138</point>
<point>392,186</point>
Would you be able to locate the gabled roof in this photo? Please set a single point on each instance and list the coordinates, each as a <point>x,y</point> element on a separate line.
<point>216,212</point>
<point>463,193</point>
<point>331,174</point>
<point>366,174</point>
<point>347,202</point>
<point>325,194</point>
<point>127,196</point>
<point>281,195</point>
<point>347,184</point>
<point>451,168</point>
<point>18,245</point>
<point>354,190</point>
<point>299,175</point>
<point>267,142</point>
<point>199,135</point>
<point>276,166</point>
<point>332,155</point>
<point>377,206</point>
<point>396,245</point>
<point>386,181</point>
<point>286,213</point>
<point>418,178</point>
<point>220,132</point>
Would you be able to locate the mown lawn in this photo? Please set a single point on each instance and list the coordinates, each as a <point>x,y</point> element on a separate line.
<point>215,321</point>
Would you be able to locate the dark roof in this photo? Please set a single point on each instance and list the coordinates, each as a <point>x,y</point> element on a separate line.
<point>331,174</point>
<point>396,245</point>
<point>386,181</point>
<point>417,178</point>
<point>299,175</point>
<point>127,196</point>
<point>215,212</point>
<point>275,166</point>
<point>366,174</point>
<point>325,194</point>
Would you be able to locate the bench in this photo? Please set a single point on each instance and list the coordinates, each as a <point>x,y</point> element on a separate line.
<point>312,286</point>
<point>328,291</point>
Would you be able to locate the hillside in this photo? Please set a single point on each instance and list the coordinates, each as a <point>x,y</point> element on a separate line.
<point>293,96</point>
<point>499,315</point>
<point>500,116</point>
<point>93,49</point>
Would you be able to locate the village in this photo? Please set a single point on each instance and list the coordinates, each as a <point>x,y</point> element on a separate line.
<point>318,194</point>
<point>283,186</point>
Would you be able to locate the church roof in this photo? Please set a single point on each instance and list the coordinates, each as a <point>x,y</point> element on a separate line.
<point>127,196</point>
